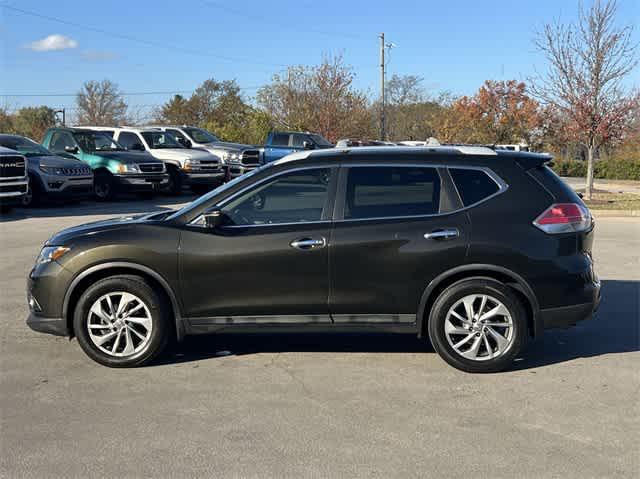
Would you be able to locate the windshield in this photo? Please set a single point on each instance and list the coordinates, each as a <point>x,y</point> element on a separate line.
<point>201,136</point>
<point>24,146</point>
<point>160,139</point>
<point>96,141</point>
<point>320,140</point>
<point>225,186</point>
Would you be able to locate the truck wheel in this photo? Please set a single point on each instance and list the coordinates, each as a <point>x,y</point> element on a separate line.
<point>478,326</point>
<point>103,186</point>
<point>174,187</point>
<point>120,321</point>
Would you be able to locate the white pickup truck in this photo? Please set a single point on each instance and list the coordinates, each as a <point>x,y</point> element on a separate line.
<point>194,167</point>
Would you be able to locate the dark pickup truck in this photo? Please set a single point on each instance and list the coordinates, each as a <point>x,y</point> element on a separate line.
<point>282,143</point>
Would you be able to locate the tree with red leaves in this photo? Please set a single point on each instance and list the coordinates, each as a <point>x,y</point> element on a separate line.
<point>584,82</point>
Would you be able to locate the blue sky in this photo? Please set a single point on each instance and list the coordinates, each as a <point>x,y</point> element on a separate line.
<point>173,46</point>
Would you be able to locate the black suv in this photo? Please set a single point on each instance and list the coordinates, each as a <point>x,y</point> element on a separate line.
<point>478,249</point>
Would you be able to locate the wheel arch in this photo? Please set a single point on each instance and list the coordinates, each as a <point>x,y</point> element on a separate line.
<point>104,270</point>
<point>480,271</point>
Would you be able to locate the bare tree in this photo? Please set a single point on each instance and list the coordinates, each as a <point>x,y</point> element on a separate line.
<point>101,104</point>
<point>587,63</point>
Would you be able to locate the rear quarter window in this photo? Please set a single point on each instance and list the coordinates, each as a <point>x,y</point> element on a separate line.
<point>473,185</point>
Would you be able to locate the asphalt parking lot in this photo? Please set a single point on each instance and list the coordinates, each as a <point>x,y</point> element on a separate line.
<point>334,405</point>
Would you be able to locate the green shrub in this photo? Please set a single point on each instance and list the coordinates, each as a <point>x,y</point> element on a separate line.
<point>604,169</point>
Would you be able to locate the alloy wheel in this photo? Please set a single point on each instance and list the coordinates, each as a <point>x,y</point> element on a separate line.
<point>119,324</point>
<point>479,327</point>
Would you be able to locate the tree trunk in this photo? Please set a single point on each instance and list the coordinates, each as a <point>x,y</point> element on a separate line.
<point>588,190</point>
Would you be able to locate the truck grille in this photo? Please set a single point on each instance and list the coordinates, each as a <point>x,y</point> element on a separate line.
<point>250,158</point>
<point>151,167</point>
<point>209,165</point>
<point>12,167</point>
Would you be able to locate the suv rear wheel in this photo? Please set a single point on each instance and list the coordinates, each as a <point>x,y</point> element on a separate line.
<point>121,321</point>
<point>478,325</point>
<point>174,186</point>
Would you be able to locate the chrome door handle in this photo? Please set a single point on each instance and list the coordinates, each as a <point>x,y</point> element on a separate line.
<point>442,234</point>
<point>308,243</point>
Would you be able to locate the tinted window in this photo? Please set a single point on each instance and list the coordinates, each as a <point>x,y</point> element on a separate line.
<point>160,139</point>
<point>386,191</point>
<point>201,136</point>
<point>60,140</point>
<point>473,185</point>
<point>295,197</point>
<point>95,141</point>
<point>298,140</point>
<point>280,139</point>
<point>127,139</point>
<point>24,146</point>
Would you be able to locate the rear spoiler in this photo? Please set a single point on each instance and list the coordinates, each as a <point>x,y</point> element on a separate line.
<point>529,161</point>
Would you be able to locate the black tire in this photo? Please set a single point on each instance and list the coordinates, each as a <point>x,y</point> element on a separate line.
<point>103,186</point>
<point>174,187</point>
<point>34,193</point>
<point>452,295</point>
<point>156,304</point>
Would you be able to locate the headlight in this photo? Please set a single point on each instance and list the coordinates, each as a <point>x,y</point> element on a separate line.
<point>232,157</point>
<point>51,170</point>
<point>130,168</point>
<point>51,253</point>
<point>190,164</point>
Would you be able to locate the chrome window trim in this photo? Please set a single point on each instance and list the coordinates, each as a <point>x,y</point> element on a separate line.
<point>194,222</point>
<point>502,187</point>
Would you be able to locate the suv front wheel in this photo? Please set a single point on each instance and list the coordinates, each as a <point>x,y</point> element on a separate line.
<point>478,325</point>
<point>120,321</point>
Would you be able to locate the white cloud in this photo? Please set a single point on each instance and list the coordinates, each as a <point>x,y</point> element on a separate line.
<point>52,43</point>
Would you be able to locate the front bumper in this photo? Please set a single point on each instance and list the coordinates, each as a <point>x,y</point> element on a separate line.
<point>67,187</point>
<point>235,170</point>
<point>567,316</point>
<point>142,182</point>
<point>202,178</point>
<point>56,326</point>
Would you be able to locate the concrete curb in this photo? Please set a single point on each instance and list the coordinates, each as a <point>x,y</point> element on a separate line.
<point>614,213</point>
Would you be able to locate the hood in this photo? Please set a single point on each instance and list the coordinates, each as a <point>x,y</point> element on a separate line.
<point>66,236</point>
<point>54,161</point>
<point>223,146</point>
<point>125,157</point>
<point>181,154</point>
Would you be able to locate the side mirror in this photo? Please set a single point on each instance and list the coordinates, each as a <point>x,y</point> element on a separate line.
<point>213,219</point>
<point>186,143</point>
<point>137,147</point>
<point>71,149</point>
<point>308,145</point>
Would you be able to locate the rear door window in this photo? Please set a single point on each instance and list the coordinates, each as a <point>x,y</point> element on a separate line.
<point>280,139</point>
<point>392,191</point>
<point>473,185</point>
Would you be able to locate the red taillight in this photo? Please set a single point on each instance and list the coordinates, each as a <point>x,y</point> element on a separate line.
<point>564,218</point>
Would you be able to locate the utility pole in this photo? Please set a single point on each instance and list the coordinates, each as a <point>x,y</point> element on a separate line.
<point>382,98</point>
<point>64,115</point>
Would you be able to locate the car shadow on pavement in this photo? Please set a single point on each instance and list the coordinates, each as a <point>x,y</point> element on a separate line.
<point>614,329</point>
<point>125,205</point>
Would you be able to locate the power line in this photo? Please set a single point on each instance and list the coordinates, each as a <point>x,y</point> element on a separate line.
<point>142,41</point>
<point>272,21</point>
<point>138,93</point>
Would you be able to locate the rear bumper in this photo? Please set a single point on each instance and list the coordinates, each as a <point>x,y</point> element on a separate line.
<point>567,316</point>
<point>55,326</point>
